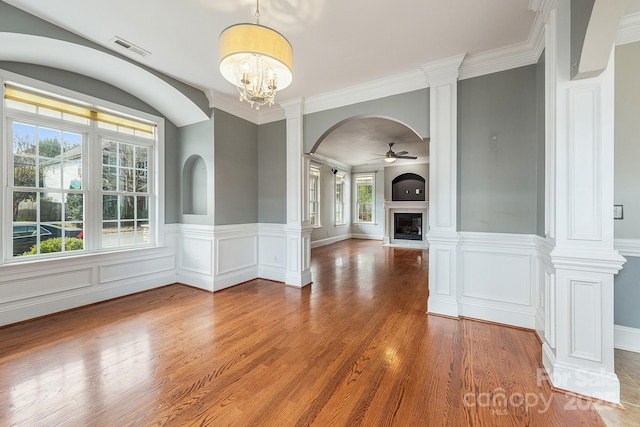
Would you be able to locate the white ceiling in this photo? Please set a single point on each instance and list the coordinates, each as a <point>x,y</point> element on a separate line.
<point>337,44</point>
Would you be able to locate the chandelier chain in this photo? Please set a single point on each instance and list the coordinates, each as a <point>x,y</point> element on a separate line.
<point>257,11</point>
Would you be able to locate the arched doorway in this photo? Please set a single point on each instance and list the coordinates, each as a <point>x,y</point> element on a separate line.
<point>352,165</point>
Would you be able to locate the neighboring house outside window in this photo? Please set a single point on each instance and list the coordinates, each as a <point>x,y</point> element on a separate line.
<point>76,174</point>
<point>365,190</point>
<point>314,195</point>
<point>339,206</point>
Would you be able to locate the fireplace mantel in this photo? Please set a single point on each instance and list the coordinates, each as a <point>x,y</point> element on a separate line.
<point>391,207</point>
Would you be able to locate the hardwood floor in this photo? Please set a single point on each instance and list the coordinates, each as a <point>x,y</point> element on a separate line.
<point>354,348</point>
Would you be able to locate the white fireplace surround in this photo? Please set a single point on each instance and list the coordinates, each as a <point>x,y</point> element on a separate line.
<point>391,208</point>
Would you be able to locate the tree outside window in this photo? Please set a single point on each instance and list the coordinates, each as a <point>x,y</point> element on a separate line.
<point>364,198</point>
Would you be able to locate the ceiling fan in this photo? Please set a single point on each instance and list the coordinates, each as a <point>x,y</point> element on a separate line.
<point>391,156</point>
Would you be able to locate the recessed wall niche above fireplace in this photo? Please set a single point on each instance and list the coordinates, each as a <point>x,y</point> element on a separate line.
<point>408,187</point>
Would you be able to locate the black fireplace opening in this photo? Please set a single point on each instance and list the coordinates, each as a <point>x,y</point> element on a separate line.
<point>408,226</point>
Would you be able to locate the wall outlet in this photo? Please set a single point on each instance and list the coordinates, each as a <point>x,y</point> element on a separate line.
<point>617,211</point>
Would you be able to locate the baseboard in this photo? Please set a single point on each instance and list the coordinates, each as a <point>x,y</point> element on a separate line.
<point>277,274</point>
<point>625,338</point>
<point>494,313</point>
<point>367,236</point>
<point>234,278</point>
<point>196,280</point>
<point>329,240</point>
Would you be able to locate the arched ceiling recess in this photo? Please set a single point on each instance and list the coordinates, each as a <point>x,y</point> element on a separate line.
<point>363,140</point>
<point>159,94</point>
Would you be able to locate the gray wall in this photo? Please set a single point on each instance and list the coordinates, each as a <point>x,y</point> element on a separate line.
<point>627,294</point>
<point>101,90</point>
<point>627,178</point>
<point>196,140</point>
<point>235,170</point>
<point>498,152</point>
<point>272,172</point>
<point>411,108</point>
<point>540,227</point>
<point>627,140</point>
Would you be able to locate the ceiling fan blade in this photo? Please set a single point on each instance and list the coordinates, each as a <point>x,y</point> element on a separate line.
<point>402,153</point>
<point>406,157</point>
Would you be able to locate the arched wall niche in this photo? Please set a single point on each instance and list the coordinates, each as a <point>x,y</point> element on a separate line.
<point>408,187</point>
<point>194,186</point>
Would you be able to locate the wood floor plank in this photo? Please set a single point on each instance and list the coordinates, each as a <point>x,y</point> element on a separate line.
<point>354,348</point>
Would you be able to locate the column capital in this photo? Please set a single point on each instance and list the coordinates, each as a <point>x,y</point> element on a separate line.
<point>443,71</point>
<point>293,108</point>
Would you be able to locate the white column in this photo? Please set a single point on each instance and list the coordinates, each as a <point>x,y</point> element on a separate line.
<point>443,165</point>
<point>298,228</point>
<point>578,336</point>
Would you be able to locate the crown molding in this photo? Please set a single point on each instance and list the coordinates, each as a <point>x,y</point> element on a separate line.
<point>381,88</point>
<point>506,58</point>
<point>444,70</point>
<point>293,108</point>
<point>271,114</point>
<point>232,106</point>
<point>629,29</point>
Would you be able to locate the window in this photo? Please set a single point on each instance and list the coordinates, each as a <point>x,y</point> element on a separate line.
<point>57,144</point>
<point>314,195</point>
<point>339,208</point>
<point>365,198</point>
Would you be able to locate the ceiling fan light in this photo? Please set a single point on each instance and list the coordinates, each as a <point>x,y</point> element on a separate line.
<point>389,159</point>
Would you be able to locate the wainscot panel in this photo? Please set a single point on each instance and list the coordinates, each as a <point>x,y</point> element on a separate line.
<point>498,276</point>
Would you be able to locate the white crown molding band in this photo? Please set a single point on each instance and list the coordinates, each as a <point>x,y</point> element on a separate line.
<point>629,29</point>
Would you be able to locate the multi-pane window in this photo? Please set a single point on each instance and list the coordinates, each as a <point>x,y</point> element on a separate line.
<point>56,146</point>
<point>314,195</point>
<point>339,206</point>
<point>125,194</point>
<point>47,188</point>
<point>365,198</point>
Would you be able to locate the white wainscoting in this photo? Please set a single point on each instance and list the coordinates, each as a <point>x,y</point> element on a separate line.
<point>34,289</point>
<point>194,251</point>
<point>626,338</point>
<point>272,252</point>
<point>235,254</point>
<point>215,258</point>
<point>498,276</point>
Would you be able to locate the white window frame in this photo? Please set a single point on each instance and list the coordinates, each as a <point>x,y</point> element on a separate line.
<point>315,174</point>
<point>356,203</point>
<point>91,155</point>
<point>339,207</point>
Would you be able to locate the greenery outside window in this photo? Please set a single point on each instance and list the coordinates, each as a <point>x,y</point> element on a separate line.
<point>365,203</point>
<point>314,195</point>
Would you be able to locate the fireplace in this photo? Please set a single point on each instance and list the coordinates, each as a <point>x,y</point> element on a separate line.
<point>407,226</point>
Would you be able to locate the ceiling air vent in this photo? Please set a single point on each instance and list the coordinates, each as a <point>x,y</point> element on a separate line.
<point>130,46</point>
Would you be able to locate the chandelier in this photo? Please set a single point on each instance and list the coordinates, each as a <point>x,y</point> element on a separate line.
<point>257,59</point>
